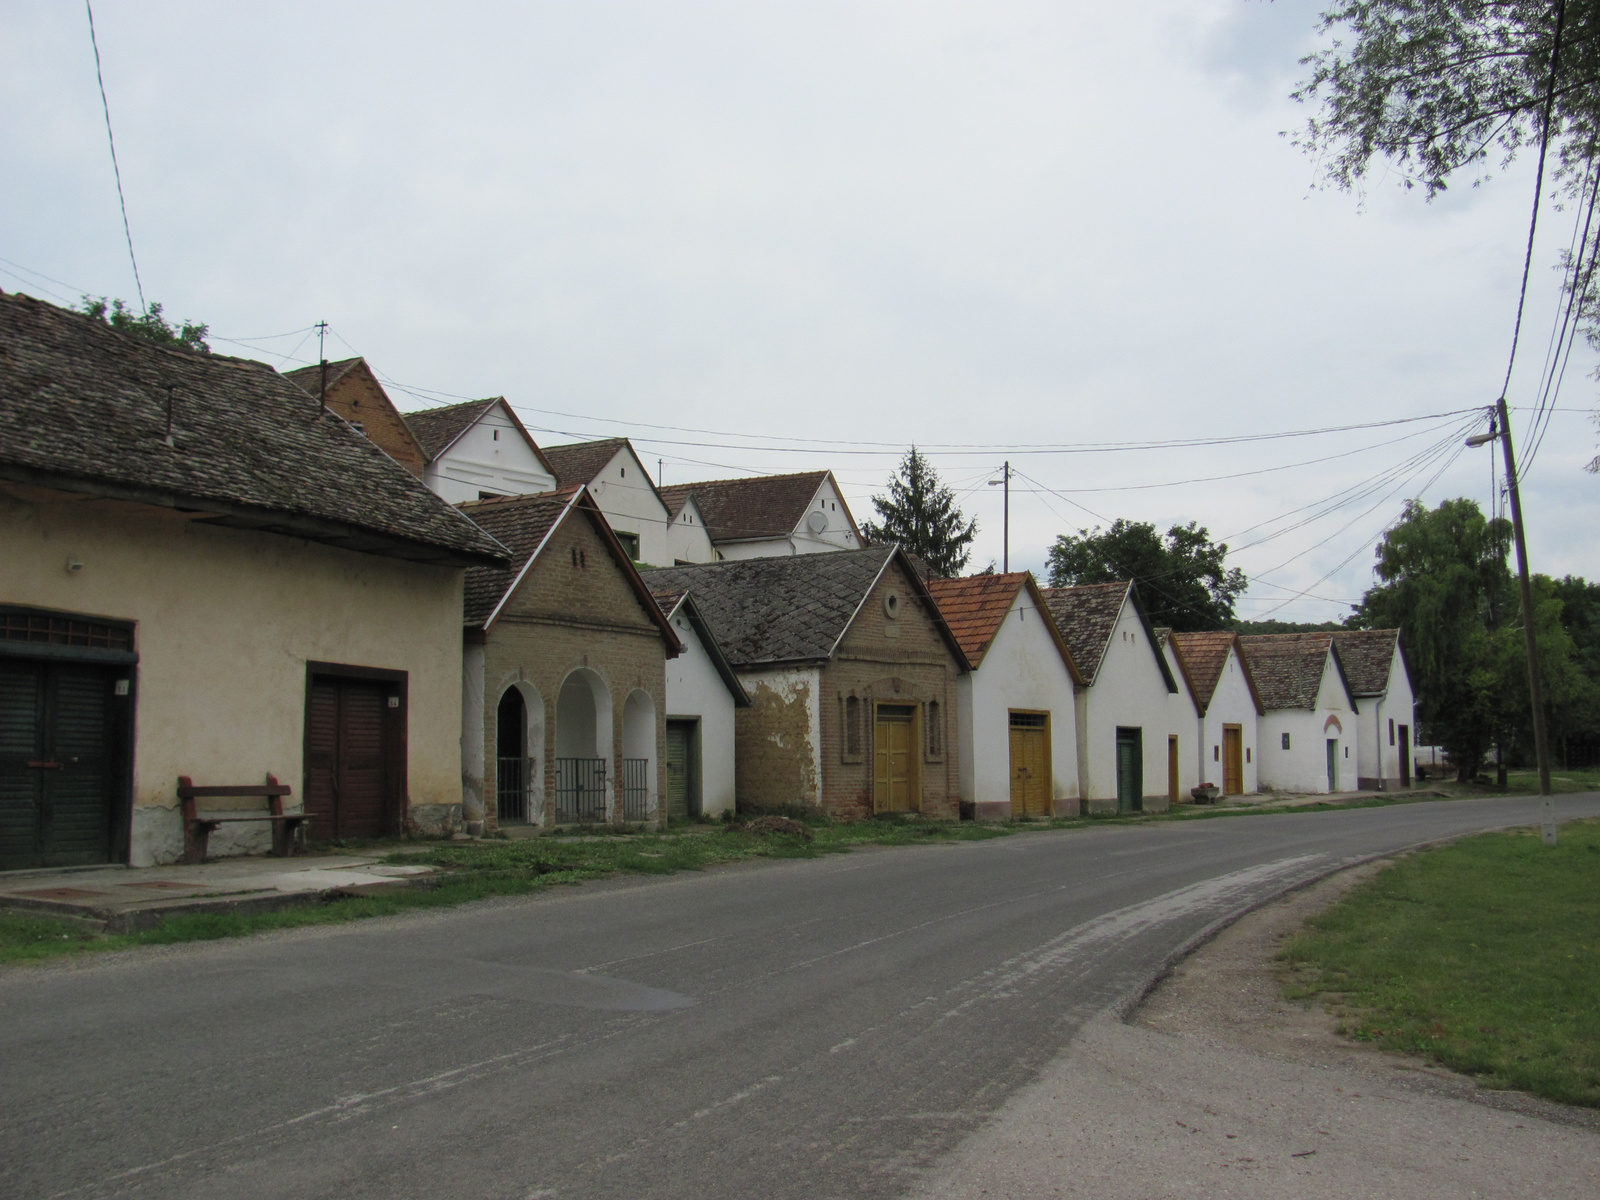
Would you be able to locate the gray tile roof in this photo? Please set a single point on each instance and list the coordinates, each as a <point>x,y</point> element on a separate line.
<point>310,378</point>
<point>580,462</point>
<point>519,523</point>
<point>739,509</point>
<point>774,610</point>
<point>1287,667</point>
<point>1367,655</point>
<point>83,408</point>
<point>436,428</point>
<point>1087,617</point>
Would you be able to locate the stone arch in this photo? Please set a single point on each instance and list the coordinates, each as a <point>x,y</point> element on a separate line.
<point>640,800</point>
<point>519,755</point>
<point>583,748</point>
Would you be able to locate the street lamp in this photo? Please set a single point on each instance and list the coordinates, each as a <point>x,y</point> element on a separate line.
<point>1500,430</point>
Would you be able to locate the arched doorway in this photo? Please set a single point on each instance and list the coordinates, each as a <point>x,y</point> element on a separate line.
<point>638,757</point>
<point>583,737</point>
<point>519,744</point>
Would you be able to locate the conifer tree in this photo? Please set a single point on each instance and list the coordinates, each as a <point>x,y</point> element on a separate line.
<point>920,514</point>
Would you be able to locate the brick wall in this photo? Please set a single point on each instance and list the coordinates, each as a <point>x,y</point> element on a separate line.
<point>359,399</point>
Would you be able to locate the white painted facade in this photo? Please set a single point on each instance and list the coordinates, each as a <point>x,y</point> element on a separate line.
<point>696,691</point>
<point>1231,704</point>
<point>687,539</point>
<point>1381,719</point>
<point>1129,690</point>
<point>826,526</point>
<point>1022,669</point>
<point>492,457</point>
<point>1302,766</point>
<point>634,508</point>
<point>1185,723</point>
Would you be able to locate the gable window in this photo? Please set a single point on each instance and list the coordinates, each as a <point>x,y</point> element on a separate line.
<point>623,471</point>
<point>496,435</point>
<point>850,739</point>
<point>630,543</point>
<point>1286,741</point>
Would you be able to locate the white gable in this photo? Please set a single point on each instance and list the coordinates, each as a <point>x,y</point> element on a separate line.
<point>827,524</point>
<point>687,539</point>
<point>623,490</point>
<point>1129,692</point>
<point>493,457</point>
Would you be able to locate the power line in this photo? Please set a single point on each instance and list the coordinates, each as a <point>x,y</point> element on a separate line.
<point>116,169</point>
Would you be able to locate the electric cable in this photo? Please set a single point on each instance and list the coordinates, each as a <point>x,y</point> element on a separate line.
<point>116,169</point>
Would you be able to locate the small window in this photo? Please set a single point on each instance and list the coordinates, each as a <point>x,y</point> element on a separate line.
<point>1391,731</point>
<point>935,730</point>
<point>1247,754</point>
<point>1028,720</point>
<point>1286,741</point>
<point>623,471</point>
<point>630,543</point>
<point>496,435</point>
<point>850,743</point>
<point>1216,754</point>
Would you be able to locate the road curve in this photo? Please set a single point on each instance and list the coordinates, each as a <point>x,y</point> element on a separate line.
<point>817,1028</point>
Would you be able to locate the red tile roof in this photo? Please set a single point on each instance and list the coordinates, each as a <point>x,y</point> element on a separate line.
<point>580,462</point>
<point>976,607</point>
<point>1202,656</point>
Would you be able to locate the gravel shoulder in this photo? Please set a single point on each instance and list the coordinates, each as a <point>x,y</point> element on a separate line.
<point>1214,1085</point>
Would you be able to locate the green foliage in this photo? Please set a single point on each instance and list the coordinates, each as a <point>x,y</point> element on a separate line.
<point>1480,955</point>
<point>151,326</point>
<point>920,514</point>
<point>1254,627</point>
<point>1184,580</point>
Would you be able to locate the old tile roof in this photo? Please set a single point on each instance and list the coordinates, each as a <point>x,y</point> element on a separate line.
<point>1287,667</point>
<point>741,509</point>
<point>580,462</point>
<point>1367,655</point>
<point>681,601</point>
<point>793,609</point>
<point>524,524</point>
<point>83,408</point>
<point>1202,656</point>
<point>977,606</point>
<point>310,378</point>
<point>436,429</point>
<point>1087,615</point>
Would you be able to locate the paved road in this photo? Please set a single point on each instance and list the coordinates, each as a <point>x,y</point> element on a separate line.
<point>814,1029</point>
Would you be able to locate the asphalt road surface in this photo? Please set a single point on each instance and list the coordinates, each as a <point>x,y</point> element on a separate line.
<point>815,1028</point>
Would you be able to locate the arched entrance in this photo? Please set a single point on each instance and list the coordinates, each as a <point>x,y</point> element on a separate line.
<point>583,743</point>
<point>519,744</point>
<point>638,757</point>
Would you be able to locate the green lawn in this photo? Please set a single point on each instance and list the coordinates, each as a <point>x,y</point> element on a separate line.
<point>1483,955</point>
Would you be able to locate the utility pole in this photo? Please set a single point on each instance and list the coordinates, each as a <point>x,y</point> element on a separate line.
<point>322,361</point>
<point>1005,482</point>
<point>661,472</point>
<point>1541,741</point>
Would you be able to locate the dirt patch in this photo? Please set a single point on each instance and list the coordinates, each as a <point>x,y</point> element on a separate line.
<point>1229,994</point>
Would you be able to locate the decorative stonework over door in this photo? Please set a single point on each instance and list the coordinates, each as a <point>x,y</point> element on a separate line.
<point>1030,764</point>
<point>894,744</point>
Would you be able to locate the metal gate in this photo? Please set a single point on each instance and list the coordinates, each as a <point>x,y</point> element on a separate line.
<point>580,790</point>
<point>513,786</point>
<point>635,789</point>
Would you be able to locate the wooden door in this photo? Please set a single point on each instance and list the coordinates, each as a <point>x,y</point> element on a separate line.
<point>1030,764</point>
<point>683,800</point>
<point>1172,769</point>
<point>1130,769</point>
<point>1405,756</point>
<point>347,756</point>
<point>894,747</point>
<point>1232,760</point>
<point>56,765</point>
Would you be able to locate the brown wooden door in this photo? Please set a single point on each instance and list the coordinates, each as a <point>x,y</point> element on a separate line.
<point>1030,764</point>
<point>894,744</point>
<point>347,758</point>
<point>1405,756</point>
<point>1232,760</point>
<point>1172,769</point>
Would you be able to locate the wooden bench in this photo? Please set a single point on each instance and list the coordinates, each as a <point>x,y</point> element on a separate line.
<point>197,827</point>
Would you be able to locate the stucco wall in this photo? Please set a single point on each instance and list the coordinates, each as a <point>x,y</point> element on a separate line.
<point>1129,690</point>
<point>622,490</point>
<point>481,462</point>
<point>1304,766</point>
<point>1184,723</point>
<point>695,689</point>
<point>574,616</point>
<point>779,738</point>
<point>687,539</point>
<point>1022,669</point>
<point>1379,749</point>
<point>226,622</point>
<point>1231,704</point>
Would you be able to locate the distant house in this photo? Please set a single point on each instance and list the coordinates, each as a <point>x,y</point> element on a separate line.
<point>478,449</point>
<point>563,720</point>
<point>351,389</point>
<point>852,674</point>
<point>619,482</point>
<point>208,574</point>
<point>1128,757</point>
<point>770,515</point>
<point>1184,733</point>
<point>1375,664</point>
<point>1308,730</point>
<point>1017,708</point>
<point>703,695</point>
<point>1217,676</point>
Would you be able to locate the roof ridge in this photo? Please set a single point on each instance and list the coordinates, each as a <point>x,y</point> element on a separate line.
<point>742,479</point>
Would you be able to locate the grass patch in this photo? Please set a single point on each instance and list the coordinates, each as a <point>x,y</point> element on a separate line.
<point>1483,955</point>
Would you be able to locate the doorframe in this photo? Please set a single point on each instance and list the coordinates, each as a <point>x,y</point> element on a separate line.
<point>1237,729</point>
<point>1136,801</point>
<point>1049,758</point>
<point>397,756</point>
<point>1405,755</point>
<point>695,801</point>
<point>916,752</point>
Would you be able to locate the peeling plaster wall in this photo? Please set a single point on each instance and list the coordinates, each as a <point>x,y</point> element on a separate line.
<point>779,737</point>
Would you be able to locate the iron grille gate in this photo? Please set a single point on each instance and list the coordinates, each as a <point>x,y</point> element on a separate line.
<point>581,790</point>
<point>513,788</point>
<point>635,789</point>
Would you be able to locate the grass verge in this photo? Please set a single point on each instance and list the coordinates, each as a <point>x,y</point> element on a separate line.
<point>1483,956</point>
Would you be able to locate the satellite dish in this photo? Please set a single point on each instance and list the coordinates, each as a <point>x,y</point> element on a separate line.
<point>817,522</point>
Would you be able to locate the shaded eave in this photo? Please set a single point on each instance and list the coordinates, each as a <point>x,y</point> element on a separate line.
<point>899,555</point>
<point>261,519</point>
<point>582,501</point>
<point>1188,678</point>
<point>687,606</point>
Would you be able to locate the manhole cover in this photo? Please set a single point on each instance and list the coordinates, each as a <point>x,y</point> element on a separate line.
<point>62,893</point>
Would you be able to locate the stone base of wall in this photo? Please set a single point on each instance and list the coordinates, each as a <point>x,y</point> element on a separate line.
<point>435,820</point>
<point>1069,808</point>
<point>1157,804</point>
<point>991,810</point>
<point>1101,808</point>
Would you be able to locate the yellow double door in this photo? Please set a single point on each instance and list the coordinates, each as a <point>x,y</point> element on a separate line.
<point>897,786</point>
<point>1030,764</point>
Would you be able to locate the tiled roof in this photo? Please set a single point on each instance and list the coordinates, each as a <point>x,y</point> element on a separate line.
<point>1087,615</point>
<point>84,408</point>
<point>520,524</point>
<point>1367,655</point>
<point>976,607</point>
<point>309,379</point>
<point>1287,667</point>
<point>1202,656</point>
<point>740,509</point>
<point>437,428</point>
<point>580,462</point>
<point>676,601</point>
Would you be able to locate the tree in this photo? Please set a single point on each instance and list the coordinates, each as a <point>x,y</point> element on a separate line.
<point>151,325</point>
<point>920,514</point>
<point>1184,580</point>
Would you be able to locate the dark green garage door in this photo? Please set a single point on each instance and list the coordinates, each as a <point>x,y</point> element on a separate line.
<point>56,764</point>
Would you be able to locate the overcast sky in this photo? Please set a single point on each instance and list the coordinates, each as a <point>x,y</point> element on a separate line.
<point>970,225</point>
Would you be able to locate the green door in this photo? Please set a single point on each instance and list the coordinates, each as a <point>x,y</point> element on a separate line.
<point>56,765</point>
<point>683,800</point>
<point>1333,764</point>
<point>1130,770</point>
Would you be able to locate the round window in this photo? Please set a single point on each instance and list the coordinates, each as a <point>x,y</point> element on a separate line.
<point>891,604</point>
